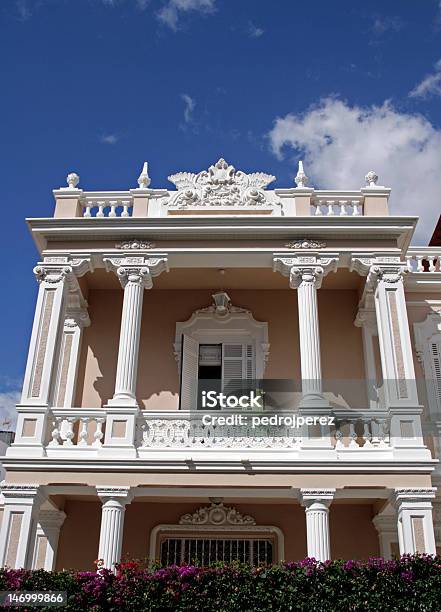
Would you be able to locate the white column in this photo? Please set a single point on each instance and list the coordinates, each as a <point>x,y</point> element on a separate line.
<point>134,282</point>
<point>306,275</point>
<point>69,355</point>
<point>114,500</point>
<point>386,525</point>
<point>307,281</point>
<point>415,521</point>
<point>21,505</point>
<point>317,502</point>
<point>46,539</point>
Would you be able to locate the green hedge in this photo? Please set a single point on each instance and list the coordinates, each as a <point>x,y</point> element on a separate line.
<point>409,584</point>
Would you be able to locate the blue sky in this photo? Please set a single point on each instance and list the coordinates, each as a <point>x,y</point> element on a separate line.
<point>99,86</point>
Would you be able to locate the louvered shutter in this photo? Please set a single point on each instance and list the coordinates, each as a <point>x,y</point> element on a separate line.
<point>189,373</point>
<point>435,350</point>
<point>238,367</point>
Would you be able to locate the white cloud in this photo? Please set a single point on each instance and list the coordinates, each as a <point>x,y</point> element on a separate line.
<point>23,9</point>
<point>430,85</point>
<point>8,413</point>
<point>381,25</point>
<point>340,143</point>
<point>254,31</point>
<point>109,139</point>
<point>171,12</point>
<point>189,105</point>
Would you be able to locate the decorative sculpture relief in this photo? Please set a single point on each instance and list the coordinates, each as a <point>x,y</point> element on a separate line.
<point>221,185</point>
<point>306,244</point>
<point>217,514</point>
<point>134,245</point>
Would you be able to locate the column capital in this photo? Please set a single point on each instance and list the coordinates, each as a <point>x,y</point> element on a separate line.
<point>306,269</point>
<point>136,270</point>
<point>314,496</point>
<point>389,269</point>
<point>51,519</point>
<point>123,495</point>
<point>56,269</point>
<point>424,495</point>
<point>366,317</point>
<point>22,493</point>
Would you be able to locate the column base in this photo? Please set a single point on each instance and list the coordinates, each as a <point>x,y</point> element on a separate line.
<point>119,438</point>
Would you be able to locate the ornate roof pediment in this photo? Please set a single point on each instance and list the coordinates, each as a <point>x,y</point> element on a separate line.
<point>221,185</point>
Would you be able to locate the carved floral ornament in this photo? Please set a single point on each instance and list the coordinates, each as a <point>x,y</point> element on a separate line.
<point>216,514</point>
<point>306,243</point>
<point>221,185</point>
<point>135,245</point>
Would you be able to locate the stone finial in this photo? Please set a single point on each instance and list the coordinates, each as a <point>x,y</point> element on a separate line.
<point>301,179</point>
<point>144,179</point>
<point>371,179</point>
<point>72,179</point>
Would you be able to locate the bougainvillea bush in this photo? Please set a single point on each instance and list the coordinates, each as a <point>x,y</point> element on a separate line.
<point>409,584</point>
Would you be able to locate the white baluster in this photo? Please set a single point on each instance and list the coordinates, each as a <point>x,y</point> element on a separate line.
<point>318,208</point>
<point>83,432</point>
<point>100,212</point>
<point>330,204</point>
<point>432,265</point>
<point>356,208</point>
<point>343,209</point>
<point>339,438</point>
<point>353,436</point>
<point>70,432</point>
<point>420,267</point>
<point>55,433</point>
<point>98,435</point>
<point>409,260</point>
<point>87,209</point>
<point>367,436</point>
<point>113,205</point>
<point>125,212</point>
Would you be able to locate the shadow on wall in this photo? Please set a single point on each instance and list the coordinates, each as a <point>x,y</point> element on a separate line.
<point>158,375</point>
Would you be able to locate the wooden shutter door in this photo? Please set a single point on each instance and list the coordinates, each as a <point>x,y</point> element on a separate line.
<point>189,373</point>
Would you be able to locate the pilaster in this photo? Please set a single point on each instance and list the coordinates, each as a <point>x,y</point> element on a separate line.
<point>415,521</point>
<point>46,539</point>
<point>386,525</point>
<point>57,277</point>
<point>21,505</point>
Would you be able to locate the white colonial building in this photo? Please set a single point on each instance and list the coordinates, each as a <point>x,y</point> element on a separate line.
<point>147,297</point>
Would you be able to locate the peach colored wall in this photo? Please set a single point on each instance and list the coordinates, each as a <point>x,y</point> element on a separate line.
<point>158,382</point>
<point>79,537</point>
<point>353,535</point>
